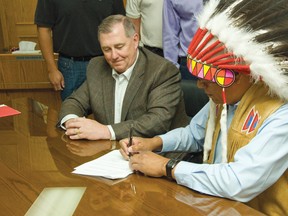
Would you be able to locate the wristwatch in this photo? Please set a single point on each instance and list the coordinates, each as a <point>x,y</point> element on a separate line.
<point>169,167</point>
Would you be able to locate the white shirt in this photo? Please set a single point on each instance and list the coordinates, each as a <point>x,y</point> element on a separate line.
<point>150,13</point>
<point>121,83</point>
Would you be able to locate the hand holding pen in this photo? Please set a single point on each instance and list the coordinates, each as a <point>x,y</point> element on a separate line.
<point>139,144</point>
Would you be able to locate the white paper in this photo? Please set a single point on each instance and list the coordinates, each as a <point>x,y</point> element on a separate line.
<point>26,47</point>
<point>111,165</point>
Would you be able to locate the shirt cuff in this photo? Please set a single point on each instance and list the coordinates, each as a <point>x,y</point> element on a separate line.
<point>167,143</point>
<point>66,118</point>
<point>113,137</point>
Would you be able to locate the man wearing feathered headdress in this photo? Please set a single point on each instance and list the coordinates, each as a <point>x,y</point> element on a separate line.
<point>239,55</point>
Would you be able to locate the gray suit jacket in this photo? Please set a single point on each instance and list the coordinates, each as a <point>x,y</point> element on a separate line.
<point>153,100</point>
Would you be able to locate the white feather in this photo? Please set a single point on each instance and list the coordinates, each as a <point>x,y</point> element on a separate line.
<point>208,10</point>
<point>223,125</point>
<point>209,131</point>
<point>217,24</point>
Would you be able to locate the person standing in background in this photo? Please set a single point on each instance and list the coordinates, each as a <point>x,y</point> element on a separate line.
<point>146,15</point>
<point>70,29</point>
<point>179,26</point>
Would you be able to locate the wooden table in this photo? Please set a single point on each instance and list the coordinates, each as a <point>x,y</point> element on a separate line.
<point>36,161</point>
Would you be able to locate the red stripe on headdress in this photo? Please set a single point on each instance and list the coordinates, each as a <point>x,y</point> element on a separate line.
<point>238,68</point>
<point>209,48</point>
<point>198,32</point>
<point>224,96</point>
<point>196,39</point>
<point>225,55</point>
<point>210,36</point>
<point>226,61</point>
<point>209,55</point>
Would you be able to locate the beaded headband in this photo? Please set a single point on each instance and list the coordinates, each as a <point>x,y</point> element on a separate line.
<point>223,77</point>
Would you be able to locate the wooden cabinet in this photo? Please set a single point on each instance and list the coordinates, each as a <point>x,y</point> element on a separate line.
<point>23,72</point>
<point>26,76</point>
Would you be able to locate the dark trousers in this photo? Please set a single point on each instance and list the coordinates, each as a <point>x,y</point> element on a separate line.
<point>155,50</point>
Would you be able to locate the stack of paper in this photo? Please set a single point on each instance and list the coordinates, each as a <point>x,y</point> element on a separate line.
<point>111,165</point>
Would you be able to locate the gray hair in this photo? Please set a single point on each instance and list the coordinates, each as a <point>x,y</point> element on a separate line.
<point>109,22</point>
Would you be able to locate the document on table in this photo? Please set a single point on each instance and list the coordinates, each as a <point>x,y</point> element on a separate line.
<point>111,165</point>
<point>7,111</point>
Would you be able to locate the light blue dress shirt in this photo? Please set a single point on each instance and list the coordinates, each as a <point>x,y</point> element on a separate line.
<point>256,166</point>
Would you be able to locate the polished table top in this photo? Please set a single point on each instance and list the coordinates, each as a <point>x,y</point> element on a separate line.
<point>36,161</point>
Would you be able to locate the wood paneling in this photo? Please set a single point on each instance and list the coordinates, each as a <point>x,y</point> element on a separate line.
<point>1,34</point>
<point>27,31</point>
<point>23,72</point>
<point>13,14</point>
<point>26,76</point>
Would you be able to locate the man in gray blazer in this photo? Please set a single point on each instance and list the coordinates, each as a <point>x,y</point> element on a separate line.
<point>129,85</point>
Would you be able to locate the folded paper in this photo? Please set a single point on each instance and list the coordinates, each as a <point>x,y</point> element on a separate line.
<point>111,165</point>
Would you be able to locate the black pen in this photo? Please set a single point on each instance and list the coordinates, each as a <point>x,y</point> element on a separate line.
<point>130,138</point>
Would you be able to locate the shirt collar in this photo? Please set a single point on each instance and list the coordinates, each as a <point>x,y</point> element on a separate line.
<point>233,106</point>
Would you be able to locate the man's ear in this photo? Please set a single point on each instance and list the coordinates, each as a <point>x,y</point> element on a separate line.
<point>136,38</point>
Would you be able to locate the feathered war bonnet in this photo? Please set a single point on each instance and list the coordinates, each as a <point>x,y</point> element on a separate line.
<point>243,36</point>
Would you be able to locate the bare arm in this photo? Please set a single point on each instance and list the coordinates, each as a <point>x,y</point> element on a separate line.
<point>137,23</point>
<point>46,46</point>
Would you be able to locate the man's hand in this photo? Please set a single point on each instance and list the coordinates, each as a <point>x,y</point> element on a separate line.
<point>82,128</point>
<point>139,144</point>
<point>57,80</point>
<point>149,163</point>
